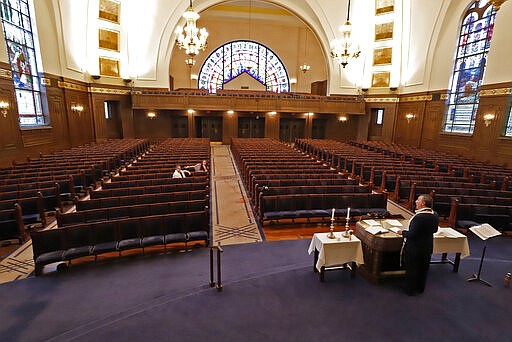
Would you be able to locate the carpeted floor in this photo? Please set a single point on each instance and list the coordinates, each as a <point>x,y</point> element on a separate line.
<point>270,294</point>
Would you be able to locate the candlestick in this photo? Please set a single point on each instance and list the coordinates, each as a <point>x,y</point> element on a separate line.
<point>346,233</point>
<point>331,228</point>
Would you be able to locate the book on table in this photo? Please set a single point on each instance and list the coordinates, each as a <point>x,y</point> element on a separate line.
<point>371,222</point>
<point>394,223</point>
<point>376,230</point>
<point>484,231</point>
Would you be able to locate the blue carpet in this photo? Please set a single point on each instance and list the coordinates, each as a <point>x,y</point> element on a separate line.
<point>270,294</point>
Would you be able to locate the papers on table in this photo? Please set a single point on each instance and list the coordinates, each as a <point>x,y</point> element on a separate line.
<point>447,232</point>
<point>394,229</point>
<point>484,231</point>
<point>371,222</point>
<point>376,230</point>
<point>394,223</point>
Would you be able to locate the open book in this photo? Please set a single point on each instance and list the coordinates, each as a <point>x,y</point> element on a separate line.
<point>371,222</point>
<point>484,231</point>
<point>376,230</point>
<point>394,223</point>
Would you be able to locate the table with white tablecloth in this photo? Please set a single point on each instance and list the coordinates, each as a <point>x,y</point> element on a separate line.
<point>335,253</point>
<point>448,240</point>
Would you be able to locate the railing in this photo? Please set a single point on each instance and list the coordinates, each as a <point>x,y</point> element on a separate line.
<point>217,284</point>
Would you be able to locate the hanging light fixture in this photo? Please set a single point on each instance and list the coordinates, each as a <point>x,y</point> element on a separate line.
<point>340,47</point>
<point>190,38</point>
<point>305,67</point>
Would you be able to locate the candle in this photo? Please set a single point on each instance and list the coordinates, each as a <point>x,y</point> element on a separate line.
<point>348,213</point>
<point>332,216</point>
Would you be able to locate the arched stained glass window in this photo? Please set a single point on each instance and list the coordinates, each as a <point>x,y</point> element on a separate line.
<point>21,49</point>
<point>473,47</point>
<point>235,58</point>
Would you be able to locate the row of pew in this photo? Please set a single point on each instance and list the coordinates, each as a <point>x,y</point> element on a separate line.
<point>37,187</point>
<point>465,192</point>
<point>136,208</point>
<point>287,184</point>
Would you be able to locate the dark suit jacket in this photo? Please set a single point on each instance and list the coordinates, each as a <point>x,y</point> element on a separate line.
<point>419,237</point>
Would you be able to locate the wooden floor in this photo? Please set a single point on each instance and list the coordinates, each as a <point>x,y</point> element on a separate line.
<point>300,230</point>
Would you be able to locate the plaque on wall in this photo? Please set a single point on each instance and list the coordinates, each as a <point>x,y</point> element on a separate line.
<point>109,10</point>
<point>382,56</point>
<point>384,6</point>
<point>108,39</point>
<point>384,31</point>
<point>109,67</point>
<point>380,79</point>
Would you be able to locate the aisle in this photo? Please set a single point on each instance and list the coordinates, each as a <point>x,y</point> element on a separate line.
<point>232,217</point>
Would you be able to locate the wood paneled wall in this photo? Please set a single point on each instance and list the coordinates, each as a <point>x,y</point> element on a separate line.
<point>424,130</point>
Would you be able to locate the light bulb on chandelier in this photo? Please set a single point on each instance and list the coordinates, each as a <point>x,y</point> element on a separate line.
<point>341,48</point>
<point>190,38</point>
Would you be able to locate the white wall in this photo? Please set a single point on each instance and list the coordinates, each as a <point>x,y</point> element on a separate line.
<point>68,38</point>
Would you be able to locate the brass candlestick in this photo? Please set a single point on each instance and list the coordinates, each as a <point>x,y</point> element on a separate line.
<point>346,232</point>
<point>331,230</point>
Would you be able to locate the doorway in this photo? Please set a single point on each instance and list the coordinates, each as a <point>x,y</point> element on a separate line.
<point>251,127</point>
<point>291,128</point>
<point>209,127</point>
<point>179,127</point>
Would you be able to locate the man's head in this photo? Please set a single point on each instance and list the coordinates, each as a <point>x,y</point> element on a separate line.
<point>424,201</point>
<point>178,167</point>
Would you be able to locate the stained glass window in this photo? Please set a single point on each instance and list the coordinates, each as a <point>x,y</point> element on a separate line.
<point>508,128</point>
<point>235,58</point>
<point>472,49</point>
<point>17,26</point>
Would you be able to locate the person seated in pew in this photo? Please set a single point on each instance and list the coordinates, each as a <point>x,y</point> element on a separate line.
<point>203,166</point>
<point>179,173</point>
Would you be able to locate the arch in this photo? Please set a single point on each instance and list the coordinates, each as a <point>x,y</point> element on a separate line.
<point>234,58</point>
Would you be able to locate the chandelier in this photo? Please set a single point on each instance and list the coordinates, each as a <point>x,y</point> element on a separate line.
<point>340,48</point>
<point>190,38</point>
<point>305,67</point>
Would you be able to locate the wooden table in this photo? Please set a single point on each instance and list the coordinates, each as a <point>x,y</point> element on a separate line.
<point>382,251</point>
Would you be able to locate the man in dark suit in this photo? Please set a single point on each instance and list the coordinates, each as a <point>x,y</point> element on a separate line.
<point>418,246</point>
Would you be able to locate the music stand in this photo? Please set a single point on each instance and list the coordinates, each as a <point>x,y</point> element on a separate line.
<point>484,232</point>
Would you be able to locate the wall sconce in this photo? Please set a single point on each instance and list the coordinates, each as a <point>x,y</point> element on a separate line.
<point>272,113</point>
<point>95,77</point>
<point>127,81</point>
<point>305,67</point>
<point>151,115</point>
<point>343,119</point>
<point>488,117</point>
<point>409,117</point>
<point>230,112</point>
<point>4,108</point>
<point>77,108</point>
<point>310,114</point>
<point>190,111</point>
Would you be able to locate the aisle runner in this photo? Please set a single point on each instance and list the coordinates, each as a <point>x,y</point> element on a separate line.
<point>232,217</point>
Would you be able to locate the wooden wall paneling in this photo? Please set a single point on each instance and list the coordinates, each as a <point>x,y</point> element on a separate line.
<point>156,128</point>
<point>272,125</point>
<point>229,127</point>
<point>409,132</point>
<point>10,135</point>
<point>432,124</point>
<point>342,131</point>
<point>58,118</point>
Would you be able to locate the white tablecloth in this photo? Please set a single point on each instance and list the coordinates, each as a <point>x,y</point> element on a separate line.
<point>448,240</point>
<point>336,251</point>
